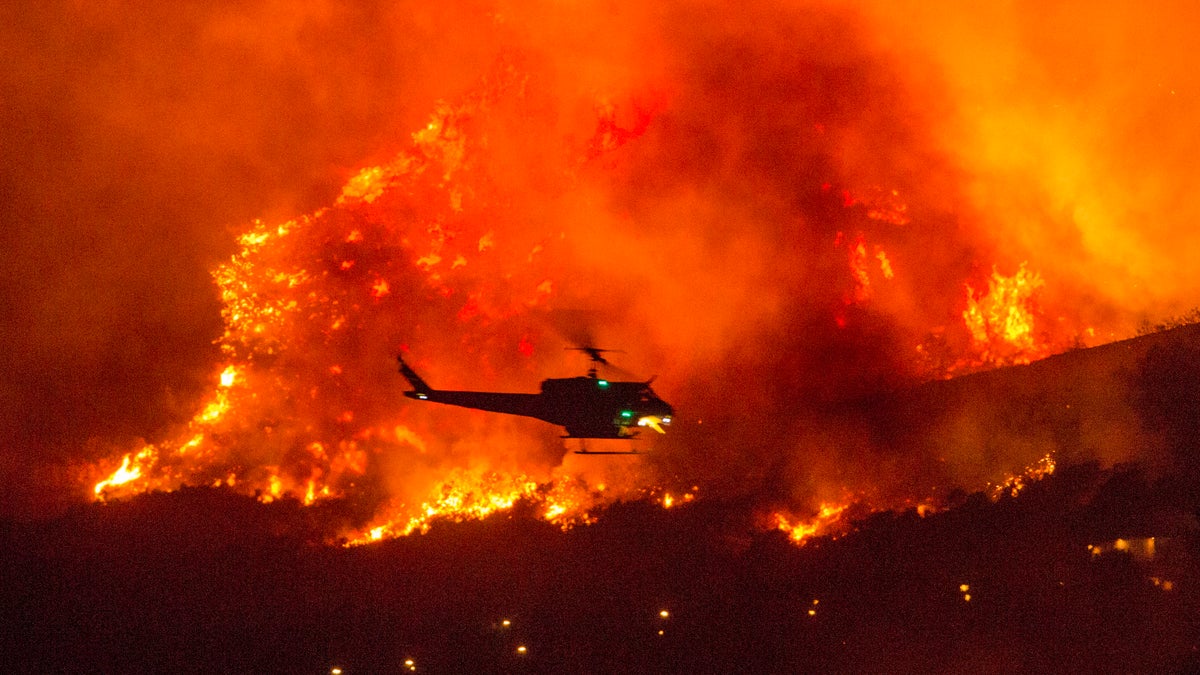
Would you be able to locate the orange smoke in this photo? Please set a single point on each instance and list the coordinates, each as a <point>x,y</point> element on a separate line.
<point>773,208</point>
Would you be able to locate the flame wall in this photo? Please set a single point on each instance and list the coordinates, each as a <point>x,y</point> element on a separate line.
<point>769,206</point>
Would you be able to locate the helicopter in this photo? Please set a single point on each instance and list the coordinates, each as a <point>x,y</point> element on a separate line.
<point>585,406</point>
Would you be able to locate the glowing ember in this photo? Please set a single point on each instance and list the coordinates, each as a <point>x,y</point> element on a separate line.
<point>1141,548</point>
<point>885,265</point>
<point>1165,584</point>
<point>668,500</point>
<point>858,267</point>
<point>862,262</point>
<point>1013,485</point>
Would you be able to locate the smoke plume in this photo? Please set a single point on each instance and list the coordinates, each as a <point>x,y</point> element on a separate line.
<point>769,207</point>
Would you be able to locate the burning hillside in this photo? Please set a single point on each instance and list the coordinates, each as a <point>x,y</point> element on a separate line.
<point>615,201</point>
<point>846,238</point>
<point>440,248</point>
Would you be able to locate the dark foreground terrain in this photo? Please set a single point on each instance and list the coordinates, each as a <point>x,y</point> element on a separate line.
<point>205,580</point>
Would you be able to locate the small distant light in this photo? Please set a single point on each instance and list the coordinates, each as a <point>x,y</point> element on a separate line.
<point>521,649</point>
<point>422,396</point>
<point>664,614</point>
<point>627,413</point>
<point>666,420</point>
<point>967,597</point>
<point>660,631</point>
<point>335,671</point>
<point>816,601</point>
<point>410,664</point>
<point>506,623</point>
<point>812,612</point>
<point>964,587</point>
<point>603,384</point>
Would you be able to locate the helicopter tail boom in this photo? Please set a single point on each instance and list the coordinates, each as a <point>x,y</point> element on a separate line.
<point>419,386</point>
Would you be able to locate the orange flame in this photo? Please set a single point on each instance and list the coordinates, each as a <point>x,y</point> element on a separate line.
<point>131,469</point>
<point>1001,321</point>
<point>800,531</point>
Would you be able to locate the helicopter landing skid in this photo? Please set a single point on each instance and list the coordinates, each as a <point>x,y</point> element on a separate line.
<point>583,450</point>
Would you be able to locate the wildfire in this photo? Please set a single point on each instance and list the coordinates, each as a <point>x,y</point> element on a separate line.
<point>1014,484</point>
<point>461,497</point>
<point>861,263</point>
<point>423,248</point>
<point>830,517</point>
<point>290,414</point>
<point>668,500</point>
<point>800,531</point>
<point>131,469</point>
<point>1001,321</point>
<point>467,495</point>
<point>159,466</point>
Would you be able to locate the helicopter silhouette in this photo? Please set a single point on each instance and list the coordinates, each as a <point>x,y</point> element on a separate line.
<point>586,406</point>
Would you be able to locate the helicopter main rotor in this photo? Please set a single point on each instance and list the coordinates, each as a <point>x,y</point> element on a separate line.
<point>595,354</point>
